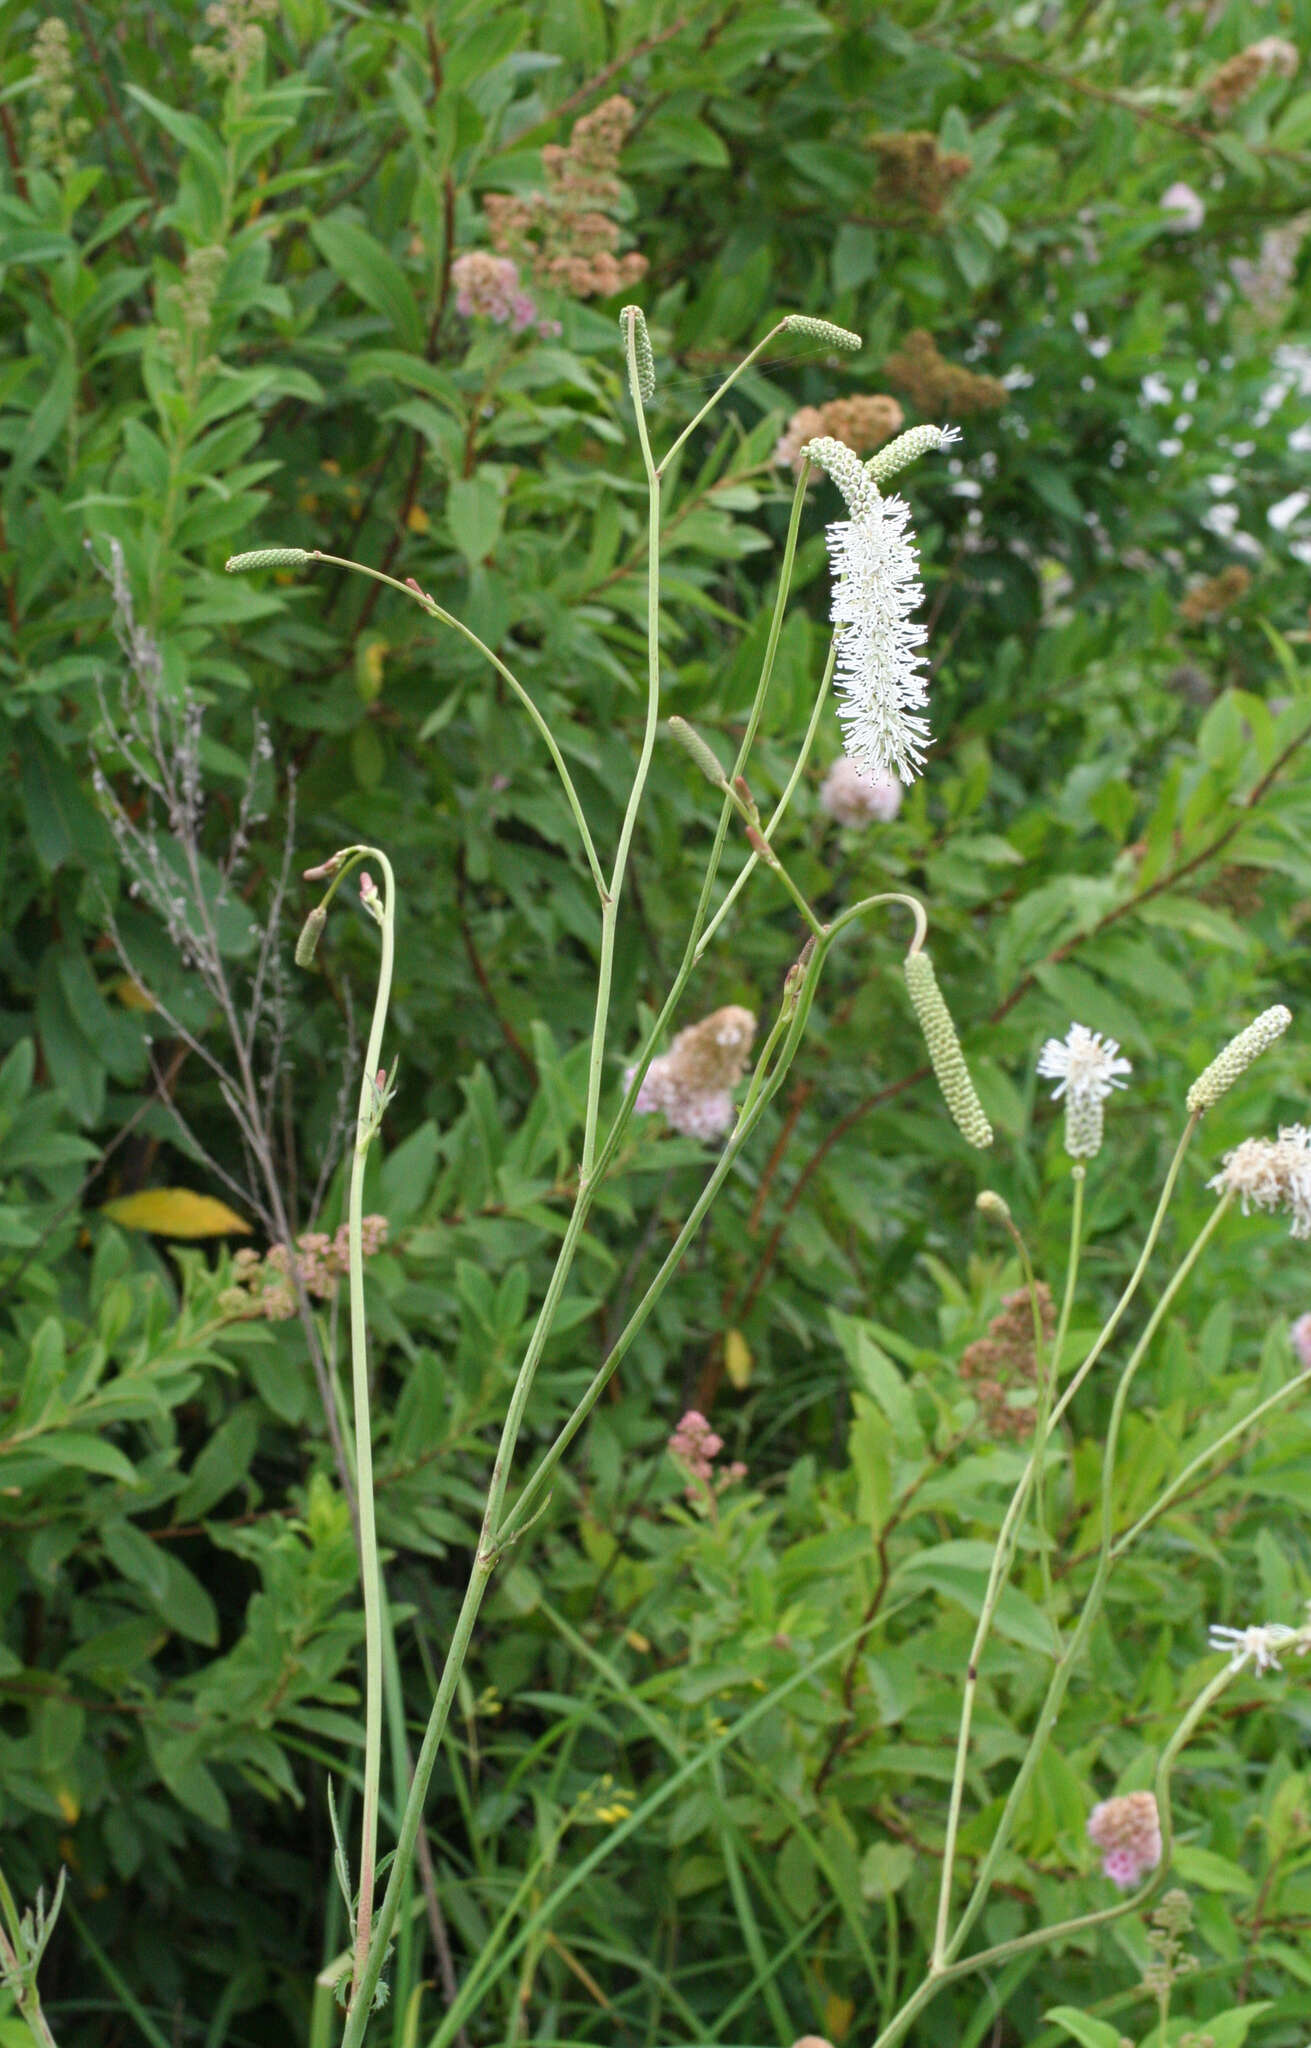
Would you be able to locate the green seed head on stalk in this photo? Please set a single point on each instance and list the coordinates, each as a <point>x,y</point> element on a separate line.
<point>944,1051</point>
<point>908,448</point>
<point>1237,1056</point>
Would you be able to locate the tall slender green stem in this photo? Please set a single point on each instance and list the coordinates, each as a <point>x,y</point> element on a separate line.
<point>369,1113</point>
<point>1093,1603</point>
<point>1008,1537</point>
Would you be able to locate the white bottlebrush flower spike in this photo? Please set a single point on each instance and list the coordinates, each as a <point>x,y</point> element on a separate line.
<point>876,587</point>
<point>1085,1068</point>
<point>1259,1645</point>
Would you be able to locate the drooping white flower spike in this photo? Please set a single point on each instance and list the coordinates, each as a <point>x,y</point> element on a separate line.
<point>876,587</point>
<point>1085,1067</point>
<point>1259,1645</point>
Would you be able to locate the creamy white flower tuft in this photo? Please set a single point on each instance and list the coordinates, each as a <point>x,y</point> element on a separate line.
<point>1271,1173</point>
<point>1085,1067</point>
<point>1259,1646</point>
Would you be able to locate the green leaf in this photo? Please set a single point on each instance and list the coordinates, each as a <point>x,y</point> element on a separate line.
<point>1088,2032</point>
<point>475,510</point>
<point>1210,1872</point>
<point>371,273</point>
<point>87,1453</point>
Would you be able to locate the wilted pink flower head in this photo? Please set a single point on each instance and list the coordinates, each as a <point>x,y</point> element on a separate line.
<point>1128,1833</point>
<point>692,1083</point>
<point>696,1446</point>
<point>1301,1336</point>
<point>854,798</point>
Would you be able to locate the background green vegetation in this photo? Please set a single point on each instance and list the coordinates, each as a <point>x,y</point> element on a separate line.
<point>1114,826</point>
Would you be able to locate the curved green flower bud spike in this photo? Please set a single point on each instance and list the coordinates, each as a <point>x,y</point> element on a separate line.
<point>1237,1056</point>
<point>908,448</point>
<point>989,1203</point>
<point>641,349</point>
<point>823,330</point>
<point>846,469</point>
<point>702,753</point>
<point>310,934</point>
<point>944,1051</point>
<point>267,558</point>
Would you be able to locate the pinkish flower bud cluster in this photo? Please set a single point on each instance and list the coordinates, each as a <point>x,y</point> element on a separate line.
<point>696,1446</point>
<point>266,1286</point>
<point>1127,1830</point>
<point>488,287</point>
<point>1301,1336</point>
<point>692,1084</point>
<point>854,798</point>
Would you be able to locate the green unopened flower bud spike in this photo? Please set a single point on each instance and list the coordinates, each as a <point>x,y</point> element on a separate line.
<point>1237,1057</point>
<point>690,740</point>
<point>944,1050</point>
<point>310,933</point>
<point>268,558</point>
<point>823,330</point>
<point>633,319</point>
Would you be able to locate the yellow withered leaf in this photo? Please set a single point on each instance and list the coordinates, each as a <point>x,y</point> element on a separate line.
<point>131,994</point>
<point>738,1362</point>
<point>175,1212</point>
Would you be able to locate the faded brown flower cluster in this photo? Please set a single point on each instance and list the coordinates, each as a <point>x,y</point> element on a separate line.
<point>937,387</point>
<point>914,171</point>
<point>864,423</point>
<point>265,1286</point>
<point>1215,595</point>
<point>566,236</point>
<point>994,1366</point>
<point>1239,76</point>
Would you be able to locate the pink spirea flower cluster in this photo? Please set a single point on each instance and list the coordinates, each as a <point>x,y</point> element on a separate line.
<point>489,287</point>
<point>1127,1830</point>
<point>696,1446</point>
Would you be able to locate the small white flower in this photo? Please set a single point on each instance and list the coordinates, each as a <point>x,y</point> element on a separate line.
<point>1084,1063</point>
<point>1258,1645</point>
<point>1085,1068</point>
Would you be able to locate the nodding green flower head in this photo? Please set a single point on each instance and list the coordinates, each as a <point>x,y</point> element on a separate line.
<point>1128,1833</point>
<point>1271,1173</point>
<point>823,330</point>
<point>267,558</point>
<point>1259,1646</point>
<point>310,933</point>
<point>908,448</point>
<point>1085,1068</point>
<point>944,1051</point>
<point>1237,1056</point>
